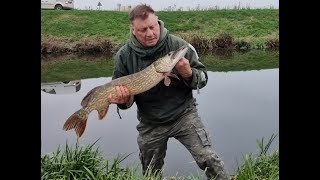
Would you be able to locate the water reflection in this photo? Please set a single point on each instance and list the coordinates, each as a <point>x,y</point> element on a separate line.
<point>77,66</point>
<point>61,87</point>
<point>236,107</point>
<point>222,54</point>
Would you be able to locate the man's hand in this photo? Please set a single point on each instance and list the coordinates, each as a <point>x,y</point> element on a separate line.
<point>184,69</point>
<point>122,98</point>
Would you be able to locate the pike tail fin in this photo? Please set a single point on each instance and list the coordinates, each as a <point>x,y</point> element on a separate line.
<point>77,121</point>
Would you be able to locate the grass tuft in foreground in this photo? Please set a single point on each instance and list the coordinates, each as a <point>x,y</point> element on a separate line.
<point>81,163</point>
<point>262,166</point>
<point>87,163</point>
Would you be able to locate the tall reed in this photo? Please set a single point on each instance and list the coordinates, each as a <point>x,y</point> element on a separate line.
<point>260,166</point>
<point>88,163</point>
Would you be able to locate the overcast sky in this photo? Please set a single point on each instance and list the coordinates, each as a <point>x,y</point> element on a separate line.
<point>185,4</point>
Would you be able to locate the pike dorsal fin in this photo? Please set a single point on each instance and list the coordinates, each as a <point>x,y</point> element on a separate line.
<point>87,98</point>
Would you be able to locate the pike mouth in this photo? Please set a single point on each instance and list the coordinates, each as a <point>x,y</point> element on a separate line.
<point>179,53</point>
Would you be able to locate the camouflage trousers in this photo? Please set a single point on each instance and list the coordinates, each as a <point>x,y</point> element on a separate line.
<point>189,131</point>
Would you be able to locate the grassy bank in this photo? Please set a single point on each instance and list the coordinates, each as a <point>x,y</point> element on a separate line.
<point>88,163</point>
<point>69,31</point>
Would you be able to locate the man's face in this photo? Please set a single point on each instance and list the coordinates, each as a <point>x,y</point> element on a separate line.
<point>146,31</point>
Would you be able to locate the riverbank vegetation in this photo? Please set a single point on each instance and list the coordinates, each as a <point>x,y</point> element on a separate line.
<point>88,162</point>
<point>90,31</point>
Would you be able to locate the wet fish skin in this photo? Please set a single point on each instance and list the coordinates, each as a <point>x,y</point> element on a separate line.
<point>97,98</point>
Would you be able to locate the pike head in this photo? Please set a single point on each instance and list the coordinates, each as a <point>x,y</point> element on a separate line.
<point>167,63</point>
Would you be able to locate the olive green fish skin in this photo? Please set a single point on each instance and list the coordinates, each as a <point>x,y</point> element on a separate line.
<point>97,98</point>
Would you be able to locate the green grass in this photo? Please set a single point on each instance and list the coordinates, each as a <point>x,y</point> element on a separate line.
<point>251,25</point>
<point>87,162</point>
<point>82,163</point>
<point>260,166</point>
<point>254,26</point>
<point>81,24</point>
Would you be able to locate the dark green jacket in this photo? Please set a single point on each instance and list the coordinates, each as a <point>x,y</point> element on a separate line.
<point>160,104</point>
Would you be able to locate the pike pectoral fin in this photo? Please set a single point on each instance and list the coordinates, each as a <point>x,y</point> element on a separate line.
<point>77,122</point>
<point>103,112</point>
<point>173,75</point>
<point>167,81</point>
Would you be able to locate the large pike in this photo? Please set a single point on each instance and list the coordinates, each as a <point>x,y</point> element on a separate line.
<point>97,98</point>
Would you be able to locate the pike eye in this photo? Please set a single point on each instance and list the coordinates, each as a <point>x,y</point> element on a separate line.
<point>170,53</point>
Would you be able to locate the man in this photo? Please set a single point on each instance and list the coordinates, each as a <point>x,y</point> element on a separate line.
<point>163,111</point>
